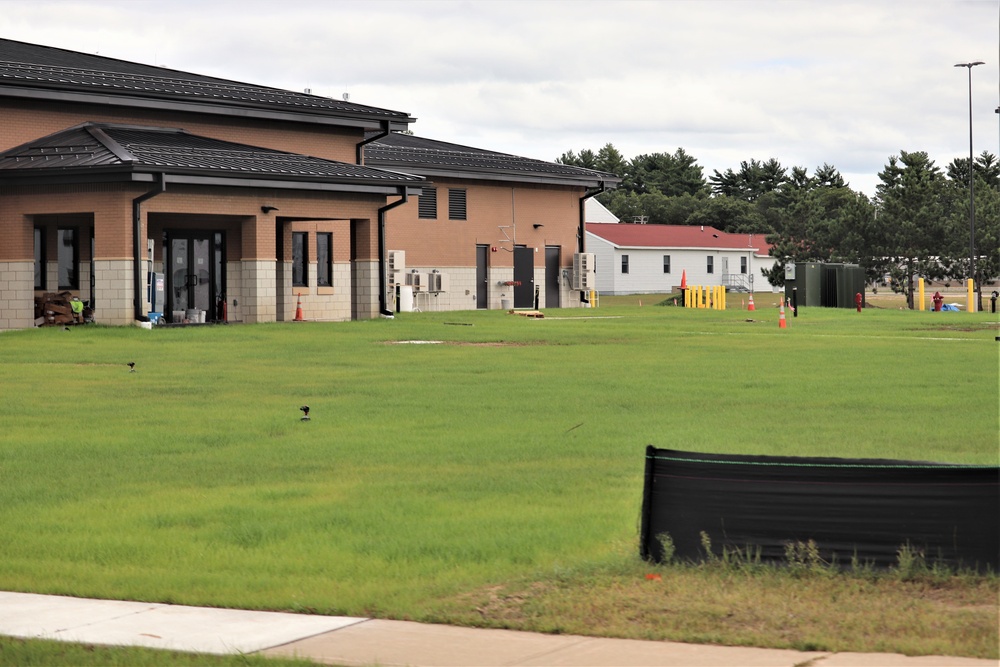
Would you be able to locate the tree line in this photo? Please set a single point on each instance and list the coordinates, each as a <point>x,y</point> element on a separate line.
<point>917,223</point>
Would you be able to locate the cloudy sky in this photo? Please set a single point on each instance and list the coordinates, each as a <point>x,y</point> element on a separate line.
<point>805,82</point>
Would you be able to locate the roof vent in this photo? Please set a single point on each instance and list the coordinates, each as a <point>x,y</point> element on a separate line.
<point>308,91</point>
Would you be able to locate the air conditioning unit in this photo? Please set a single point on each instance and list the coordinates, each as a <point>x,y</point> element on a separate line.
<point>417,280</point>
<point>585,281</point>
<point>437,282</point>
<point>397,261</point>
<point>397,278</point>
<point>584,271</point>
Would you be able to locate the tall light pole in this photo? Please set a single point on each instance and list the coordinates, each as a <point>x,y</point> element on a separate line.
<point>972,199</point>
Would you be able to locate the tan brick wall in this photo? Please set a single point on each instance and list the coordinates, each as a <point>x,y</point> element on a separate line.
<point>26,120</point>
<point>489,207</point>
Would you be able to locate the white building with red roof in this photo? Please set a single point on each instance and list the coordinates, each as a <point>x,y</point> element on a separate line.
<point>651,259</point>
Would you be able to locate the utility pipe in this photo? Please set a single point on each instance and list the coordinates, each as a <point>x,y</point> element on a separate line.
<point>160,187</point>
<point>382,306</point>
<point>582,232</point>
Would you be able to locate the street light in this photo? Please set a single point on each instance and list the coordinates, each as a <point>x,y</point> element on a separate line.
<point>972,200</point>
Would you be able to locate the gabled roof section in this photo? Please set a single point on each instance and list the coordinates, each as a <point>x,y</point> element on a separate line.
<point>431,158</point>
<point>43,72</point>
<point>100,152</point>
<point>626,235</point>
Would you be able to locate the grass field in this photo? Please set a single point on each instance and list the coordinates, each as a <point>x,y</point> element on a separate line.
<point>476,467</point>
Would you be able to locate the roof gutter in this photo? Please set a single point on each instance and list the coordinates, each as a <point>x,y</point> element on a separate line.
<point>382,305</point>
<point>581,234</point>
<point>159,188</point>
<point>360,149</point>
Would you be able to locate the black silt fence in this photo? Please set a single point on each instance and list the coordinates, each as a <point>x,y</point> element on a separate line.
<point>863,508</point>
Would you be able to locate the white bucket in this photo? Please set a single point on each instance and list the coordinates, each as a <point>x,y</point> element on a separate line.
<point>506,304</point>
<point>191,315</point>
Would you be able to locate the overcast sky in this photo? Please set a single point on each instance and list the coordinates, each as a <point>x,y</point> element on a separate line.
<point>805,82</point>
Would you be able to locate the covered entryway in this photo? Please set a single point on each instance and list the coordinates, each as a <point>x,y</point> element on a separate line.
<point>194,275</point>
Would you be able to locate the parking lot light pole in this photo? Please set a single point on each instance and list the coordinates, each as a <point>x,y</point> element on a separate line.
<point>972,200</point>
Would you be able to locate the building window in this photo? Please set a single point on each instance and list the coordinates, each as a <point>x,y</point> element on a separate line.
<point>40,259</point>
<point>300,257</point>
<point>711,264</point>
<point>427,204</point>
<point>69,259</point>
<point>743,265</point>
<point>666,263</point>
<point>624,263</point>
<point>456,204</point>
<point>324,259</point>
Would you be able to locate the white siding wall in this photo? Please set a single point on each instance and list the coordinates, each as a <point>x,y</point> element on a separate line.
<point>646,275</point>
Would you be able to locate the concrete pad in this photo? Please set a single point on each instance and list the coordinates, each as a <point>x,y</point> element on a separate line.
<point>161,626</point>
<point>398,643</point>
<point>898,660</point>
<point>391,643</point>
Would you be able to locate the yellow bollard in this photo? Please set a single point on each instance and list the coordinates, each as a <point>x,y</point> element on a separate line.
<point>972,296</point>
<point>920,283</point>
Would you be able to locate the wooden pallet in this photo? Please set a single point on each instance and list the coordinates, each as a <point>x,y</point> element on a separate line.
<point>527,313</point>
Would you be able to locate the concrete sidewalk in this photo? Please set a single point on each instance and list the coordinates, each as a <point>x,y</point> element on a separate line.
<point>344,640</point>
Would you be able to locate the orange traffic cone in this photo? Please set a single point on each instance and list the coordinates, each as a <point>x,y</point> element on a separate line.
<point>782,324</point>
<point>751,306</point>
<point>298,309</point>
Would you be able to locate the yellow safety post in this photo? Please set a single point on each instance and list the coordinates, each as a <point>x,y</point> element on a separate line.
<point>725,298</point>
<point>971,296</point>
<point>920,284</point>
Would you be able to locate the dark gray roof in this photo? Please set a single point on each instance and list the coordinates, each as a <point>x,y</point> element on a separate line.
<point>430,158</point>
<point>30,70</point>
<point>99,151</point>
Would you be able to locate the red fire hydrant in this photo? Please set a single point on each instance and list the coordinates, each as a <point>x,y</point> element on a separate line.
<point>857,301</point>
<point>938,300</point>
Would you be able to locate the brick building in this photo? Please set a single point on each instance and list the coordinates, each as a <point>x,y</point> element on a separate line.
<point>238,201</point>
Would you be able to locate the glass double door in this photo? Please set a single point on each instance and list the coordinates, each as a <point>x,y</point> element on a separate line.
<point>194,276</point>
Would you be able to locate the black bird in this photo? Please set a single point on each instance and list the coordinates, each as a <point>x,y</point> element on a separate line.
<point>305,411</point>
<point>131,367</point>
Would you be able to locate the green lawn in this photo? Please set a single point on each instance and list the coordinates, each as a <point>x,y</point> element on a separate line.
<point>511,451</point>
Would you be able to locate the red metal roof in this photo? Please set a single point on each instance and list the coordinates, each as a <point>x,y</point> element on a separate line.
<point>676,236</point>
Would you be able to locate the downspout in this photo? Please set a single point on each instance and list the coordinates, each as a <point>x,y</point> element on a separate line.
<point>360,148</point>
<point>582,233</point>
<point>382,306</point>
<point>160,187</point>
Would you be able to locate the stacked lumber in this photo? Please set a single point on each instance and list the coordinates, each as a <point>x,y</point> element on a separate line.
<point>55,309</point>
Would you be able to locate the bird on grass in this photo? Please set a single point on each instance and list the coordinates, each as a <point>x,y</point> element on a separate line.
<point>305,412</point>
<point>131,367</point>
